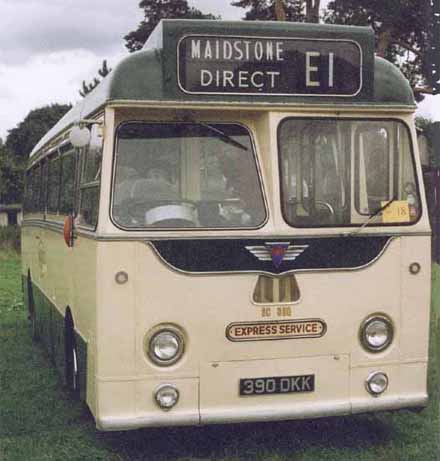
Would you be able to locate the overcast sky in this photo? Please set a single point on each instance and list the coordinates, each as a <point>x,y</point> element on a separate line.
<point>48,47</point>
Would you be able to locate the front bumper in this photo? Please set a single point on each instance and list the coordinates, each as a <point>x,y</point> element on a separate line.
<point>213,396</point>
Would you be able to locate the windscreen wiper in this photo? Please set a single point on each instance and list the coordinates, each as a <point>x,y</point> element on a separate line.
<point>371,217</point>
<point>223,136</point>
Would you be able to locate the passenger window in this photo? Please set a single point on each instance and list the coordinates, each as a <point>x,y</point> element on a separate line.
<point>27,205</point>
<point>92,166</point>
<point>43,195</point>
<point>53,184</point>
<point>89,206</point>
<point>67,183</point>
<point>36,189</point>
<point>90,184</point>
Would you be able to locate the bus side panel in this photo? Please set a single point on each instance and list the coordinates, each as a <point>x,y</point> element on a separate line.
<point>84,278</point>
<point>116,347</point>
<point>62,277</point>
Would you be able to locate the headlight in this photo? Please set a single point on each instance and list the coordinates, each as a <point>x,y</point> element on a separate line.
<point>166,346</point>
<point>376,333</point>
<point>377,383</point>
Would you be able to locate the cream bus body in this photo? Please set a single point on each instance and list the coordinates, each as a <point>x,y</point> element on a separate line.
<point>98,303</point>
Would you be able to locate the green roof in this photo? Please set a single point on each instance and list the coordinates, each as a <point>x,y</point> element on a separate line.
<point>152,74</point>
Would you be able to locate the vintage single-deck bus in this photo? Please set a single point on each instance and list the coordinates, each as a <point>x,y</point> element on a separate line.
<point>232,227</point>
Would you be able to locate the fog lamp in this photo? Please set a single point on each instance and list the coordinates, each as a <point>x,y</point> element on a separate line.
<point>166,396</point>
<point>377,383</point>
<point>376,333</point>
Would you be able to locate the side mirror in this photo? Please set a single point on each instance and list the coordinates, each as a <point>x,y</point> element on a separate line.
<point>79,136</point>
<point>69,230</point>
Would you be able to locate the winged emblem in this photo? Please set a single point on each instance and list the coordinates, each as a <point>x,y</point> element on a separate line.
<point>277,252</point>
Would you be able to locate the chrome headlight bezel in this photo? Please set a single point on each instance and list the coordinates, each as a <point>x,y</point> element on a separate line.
<point>363,333</point>
<point>151,344</point>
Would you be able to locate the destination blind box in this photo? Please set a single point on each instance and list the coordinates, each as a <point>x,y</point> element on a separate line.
<point>246,59</point>
<point>275,66</point>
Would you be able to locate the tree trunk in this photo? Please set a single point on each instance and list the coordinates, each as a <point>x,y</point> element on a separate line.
<point>312,10</point>
<point>280,12</point>
<point>383,43</point>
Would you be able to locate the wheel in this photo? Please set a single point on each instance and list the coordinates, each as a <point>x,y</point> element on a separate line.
<point>31,309</point>
<point>71,367</point>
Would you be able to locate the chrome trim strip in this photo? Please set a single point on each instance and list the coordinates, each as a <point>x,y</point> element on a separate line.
<point>180,236</point>
<point>58,227</point>
<point>270,106</point>
<point>123,237</point>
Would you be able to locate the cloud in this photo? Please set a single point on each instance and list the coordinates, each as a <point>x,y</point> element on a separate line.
<point>45,26</point>
<point>45,79</point>
<point>429,107</point>
<point>221,8</point>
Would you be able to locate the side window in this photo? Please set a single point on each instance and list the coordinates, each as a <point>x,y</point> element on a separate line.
<point>28,192</point>
<point>67,195</point>
<point>89,189</point>
<point>53,184</point>
<point>92,166</point>
<point>36,188</point>
<point>43,194</point>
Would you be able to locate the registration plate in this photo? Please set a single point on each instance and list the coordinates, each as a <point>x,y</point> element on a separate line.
<point>277,385</point>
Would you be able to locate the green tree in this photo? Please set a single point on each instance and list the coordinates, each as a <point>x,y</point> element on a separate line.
<point>11,177</point>
<point>402,28</point>
<point>154,11</point>
<point>88,87</point>
<point>21,139</point>
<point>280,10</point>
<point>19,144</point>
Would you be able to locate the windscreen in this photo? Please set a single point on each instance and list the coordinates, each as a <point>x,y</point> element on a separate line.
<point>186,175</point>
<point>346,172</point>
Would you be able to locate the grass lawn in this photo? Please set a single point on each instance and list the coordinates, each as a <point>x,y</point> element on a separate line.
<point>39,421</point>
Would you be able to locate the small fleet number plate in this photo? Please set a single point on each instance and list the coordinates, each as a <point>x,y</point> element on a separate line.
<point>277,385</point>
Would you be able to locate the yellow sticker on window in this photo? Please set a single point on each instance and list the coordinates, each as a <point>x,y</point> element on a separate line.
<point>397,212</point>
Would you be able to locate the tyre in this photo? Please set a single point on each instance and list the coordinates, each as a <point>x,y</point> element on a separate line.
<point>31,308</point>
<point>71,367</point>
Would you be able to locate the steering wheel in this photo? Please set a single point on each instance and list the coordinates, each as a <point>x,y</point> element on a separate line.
<point>167,214</point>
<point>183,214</point>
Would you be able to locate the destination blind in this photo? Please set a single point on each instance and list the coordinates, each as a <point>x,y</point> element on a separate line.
<point>275,66</point>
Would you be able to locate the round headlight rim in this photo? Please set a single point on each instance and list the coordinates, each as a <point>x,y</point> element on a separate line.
<point>164,329</point>
<point>370,378</point>
<point>362,333</point>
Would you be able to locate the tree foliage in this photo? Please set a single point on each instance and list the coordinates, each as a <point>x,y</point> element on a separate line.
<point>21,139</point>
<point>402,28</point>
<point>11,177</point>
<point>281,10</point>
<point>88,87</point>
<point>19,144</point>
<point>154,11</point>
